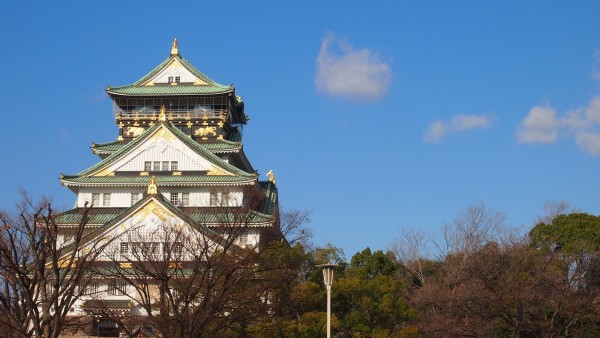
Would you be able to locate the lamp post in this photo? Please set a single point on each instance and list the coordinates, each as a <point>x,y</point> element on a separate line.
<point>328,280</point>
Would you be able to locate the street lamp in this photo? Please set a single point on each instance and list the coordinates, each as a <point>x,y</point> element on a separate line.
<point>328,280</point>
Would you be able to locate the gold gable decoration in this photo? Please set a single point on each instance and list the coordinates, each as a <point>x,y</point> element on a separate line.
<point>162,116</point>
<point>152,189</point>
<point>271,176</point>
<point>214,171</point>
<point>174,47</point>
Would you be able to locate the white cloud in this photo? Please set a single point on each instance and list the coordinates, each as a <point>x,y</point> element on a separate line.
<point>439,129</point>
<point>542,125</point>
<point>589,142</point>
<point>539,126</point>
<point>357,74</point>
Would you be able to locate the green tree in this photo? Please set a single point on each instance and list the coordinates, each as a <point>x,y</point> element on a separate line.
<point>369,298</point>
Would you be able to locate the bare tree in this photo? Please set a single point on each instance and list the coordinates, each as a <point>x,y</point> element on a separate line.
<point>293,227</point>
<point>189,280</point>
<point>42,275</point>
<point>411,250</point>
<point>474,227</point>
<point>553,209</point>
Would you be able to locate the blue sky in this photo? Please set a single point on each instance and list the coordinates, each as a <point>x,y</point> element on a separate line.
<point>379,118</point>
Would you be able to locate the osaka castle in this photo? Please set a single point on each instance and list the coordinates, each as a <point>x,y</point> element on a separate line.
<point>175,182</point>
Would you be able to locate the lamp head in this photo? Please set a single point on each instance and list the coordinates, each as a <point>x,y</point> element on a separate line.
<point>328,273</point>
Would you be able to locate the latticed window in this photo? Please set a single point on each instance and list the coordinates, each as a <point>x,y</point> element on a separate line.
<point>124,249</point>
<point>156,166</point>
<point>177,249</point>
<point>175,198</point>
<point>185,199</point>
<point>214,199</point>
<point>165,166</point>
<point>92,288</point>
<point>244,238</point>
<point>106,199</point>
<point>95,199</point>
<point>117,288</point>
<point>147,166</point>
<point>135,197</point>
<point>174,165</point>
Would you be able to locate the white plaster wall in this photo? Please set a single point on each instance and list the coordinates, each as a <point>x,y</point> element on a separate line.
<point>164,152</point>
<point>199,197</point>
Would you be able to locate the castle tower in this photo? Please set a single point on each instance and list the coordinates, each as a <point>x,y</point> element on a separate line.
<point>178,161</point>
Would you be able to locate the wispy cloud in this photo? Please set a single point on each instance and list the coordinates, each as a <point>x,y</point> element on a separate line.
<point>539,126</point>
<point>542,125</point>
<point>356,74</point>
<point>439,129</point>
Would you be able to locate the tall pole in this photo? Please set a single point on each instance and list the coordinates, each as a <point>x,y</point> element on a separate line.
<point>328,310</point>
<point>328,281</point>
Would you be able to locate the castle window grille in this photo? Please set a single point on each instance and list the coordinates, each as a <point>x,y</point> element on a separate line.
<point>106,199</point>
<point>95,199</point>
<point>175,198</point>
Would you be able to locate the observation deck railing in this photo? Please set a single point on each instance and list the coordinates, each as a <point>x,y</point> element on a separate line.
<point>179,114</point>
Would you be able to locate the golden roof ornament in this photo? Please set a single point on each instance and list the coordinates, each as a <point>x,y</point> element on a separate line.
<point>162,116</point>
<point>174,48</point>
<point>271,176</point>
<point>152,189</point>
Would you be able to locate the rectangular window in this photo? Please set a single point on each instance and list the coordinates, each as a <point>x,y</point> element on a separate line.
<point>124,249</point>
<point>177,79</point>
<point>214,199</point>
<point>135,249</point>
<point>106,199</point>
<point>170,79</point>
<point>147,166</point>
<point>174,166</point>
<point>92,288</point>
<point>165,166</point>
<point>156,166</point>
<point>244,238</point>
<point>96,199</point>
<point>177,249</point>
<point>185,199</point>
<point>116,288</point>
<point>135,197</point>
<point>175,198</point>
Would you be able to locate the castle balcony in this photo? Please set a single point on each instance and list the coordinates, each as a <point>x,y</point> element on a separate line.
<point>148,113</point>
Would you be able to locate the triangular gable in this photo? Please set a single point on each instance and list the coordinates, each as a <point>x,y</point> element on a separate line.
<point>151,219</point>
<point>158,139</point>
<point>174,69</point>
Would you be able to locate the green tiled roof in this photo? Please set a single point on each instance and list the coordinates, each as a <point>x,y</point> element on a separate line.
<point>107,303</point>
<point>96,216</point>
<point>206,216</point>
<point>199,149</point>
<point>161,180</point>
<point>222,145</point>
<point>108,147</point>
<point>138,89</point>
<point>180,89</point>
